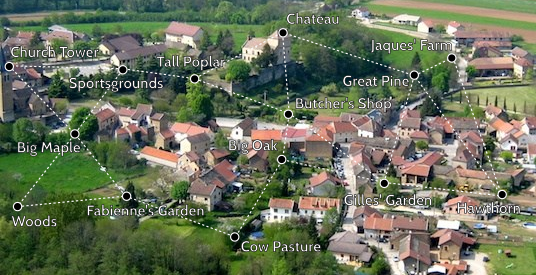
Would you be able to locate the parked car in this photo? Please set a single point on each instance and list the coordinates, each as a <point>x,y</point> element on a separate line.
<point>396,259</point>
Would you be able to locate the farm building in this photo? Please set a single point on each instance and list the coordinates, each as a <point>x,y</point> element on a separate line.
<point>406,19</point>
<point>426,26</point>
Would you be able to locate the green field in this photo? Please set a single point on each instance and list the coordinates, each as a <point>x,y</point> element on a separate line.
<point>525,6</point>
<point>513,95</point>
<point>381,9</point>
<point>73,172</point>
<point>240,32</point>
<point>523,259</point>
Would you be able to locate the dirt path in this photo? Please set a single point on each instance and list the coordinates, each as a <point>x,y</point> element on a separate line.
<point>510,15</point>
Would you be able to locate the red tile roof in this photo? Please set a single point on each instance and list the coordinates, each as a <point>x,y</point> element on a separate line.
<point>499,125</point>
<point>343,127</point>
<point>318,203</point>
<point>219,153</point>
<point>281,203</point>
<point>105,114</point>
<point>492,63</point>
<point>376,223</point>
<point>323,177</point>
<point>224,169</point>
<point>189,129</point>
<point>462,199</point>
<point>176,28</point>
<point>161,154</point>
<point>266,135</point>
<point>126,112</point>
<point>449,235</point>
<point>323,134</point>
<point>290,132</point>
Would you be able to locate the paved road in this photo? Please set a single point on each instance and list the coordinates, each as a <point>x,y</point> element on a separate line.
<point>350,189</point>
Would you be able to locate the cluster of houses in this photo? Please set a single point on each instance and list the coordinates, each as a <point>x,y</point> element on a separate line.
<point>419,249</point>
<point>126,49</point>
<point>493,54</point>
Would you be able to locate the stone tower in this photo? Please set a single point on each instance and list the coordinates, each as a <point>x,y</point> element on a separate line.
<point>6,91</point>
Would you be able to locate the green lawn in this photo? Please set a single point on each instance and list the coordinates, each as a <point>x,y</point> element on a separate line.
<point>381,9</point>
<point>74,172</point>
<point>513,95</point>
<point>187,229</point>
<point>240,32</point>
<point>402,59</point>
<point>523,259</point>
<point>510,5</point>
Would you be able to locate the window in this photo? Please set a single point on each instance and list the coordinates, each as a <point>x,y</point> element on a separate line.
<point>286,211</point>
<point>206,199</point>
<point>313,212</point>
<point>305,211</point>
<point>275,210</point>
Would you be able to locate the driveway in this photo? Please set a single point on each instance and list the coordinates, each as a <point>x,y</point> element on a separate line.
<point>389,255</point>
<point>476,263</point>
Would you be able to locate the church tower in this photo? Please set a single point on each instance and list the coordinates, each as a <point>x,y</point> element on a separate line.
<point>6,90</point>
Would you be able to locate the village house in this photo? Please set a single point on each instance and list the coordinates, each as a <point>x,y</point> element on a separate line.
<point>529,125</point>
<point>254,46</point>
<point>421,170</point>
<point>521,67</point>
<point>22,39</point>
<point>282,210</point>
<point>519,53</point>
<point>107,120</point>
<point>184,130</point>
<point>426,26</point>
<point>348,249</point>
<point>267,136</point>
<point>453,27</point>
<point>199,144</point>
<point>205,193</point>
<point>343,131</point>
<point>367,127</point>
<point>414,252</point>
<point>319,145</point>
<point>316,207</point>
<point>215,156</point>
<point>451,244</point>
<point>323,185</point>
<point>499,128</point>
<point>295,138</point>
<point>383,227</point>
<point>119,44</point>
<point>129,58</point>
<point>190,162</point>
<point>361,213</point>
<point>409,125</point>
<point>183,33</point>
<point>361,13</point>
<point>242,130</point>
<point>494,111</point>
<point>452,205</point>
<point>258,159</point>
<point>63,34</point>
<point>160,157</point>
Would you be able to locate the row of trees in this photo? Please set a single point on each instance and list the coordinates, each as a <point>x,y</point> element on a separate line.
<point>228,12</point>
